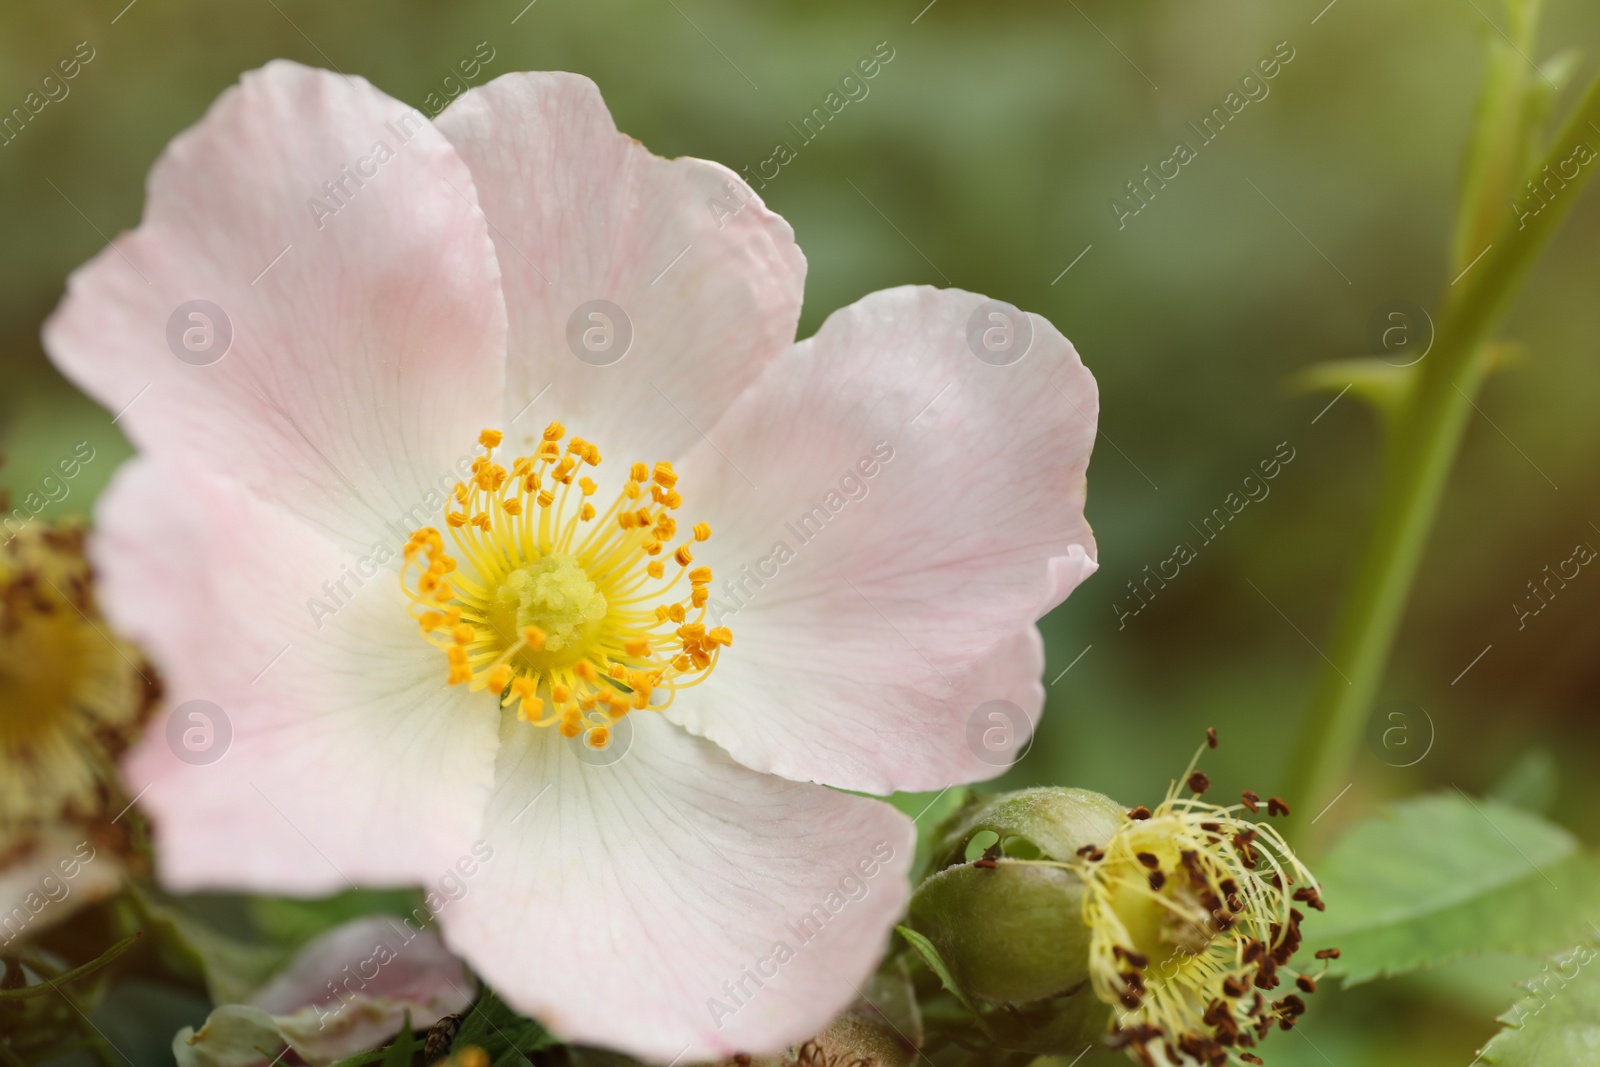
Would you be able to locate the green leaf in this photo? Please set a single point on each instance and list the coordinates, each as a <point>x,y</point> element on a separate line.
<point>1558,1025</point>
<point>1446,876</point>
<point>504,1035</point>
<point>404,1047</point>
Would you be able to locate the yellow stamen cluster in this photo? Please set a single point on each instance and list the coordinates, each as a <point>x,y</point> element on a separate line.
<point>569,613</point>
<point>1192,927</point>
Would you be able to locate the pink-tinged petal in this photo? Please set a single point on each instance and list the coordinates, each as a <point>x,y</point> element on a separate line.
<point>349,761</point>
<point>917,508</point>
<point>710,281</point>
<point>367,343</point>
<point>347,991</point>
<point>662,883</point>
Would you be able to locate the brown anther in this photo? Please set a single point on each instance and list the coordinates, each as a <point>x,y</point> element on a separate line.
<point>1305,984</point>
<point>1234,986</point>
<point>1148,859</point>
<point>1140,813</point>
<point>1211,736</point>
<point>1327,953</point>
<point>1276,806</point>
<point>1309,895</point>
<point>1199,782</point>
<point>1252,800</point>
<point>1157,880</point>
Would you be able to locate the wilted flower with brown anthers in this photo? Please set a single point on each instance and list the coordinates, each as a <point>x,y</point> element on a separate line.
<point>71,698</point>
<point>1169,933</point>
<point>1190,909</point>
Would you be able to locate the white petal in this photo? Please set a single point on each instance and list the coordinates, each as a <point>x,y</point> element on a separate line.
<point>625,905</point>
<point>917,509</point>
<point>367,346</point>
<point>709,280</point>
<point>350,762</point>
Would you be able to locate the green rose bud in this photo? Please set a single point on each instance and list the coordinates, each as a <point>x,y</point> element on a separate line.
<point>1167,933</point>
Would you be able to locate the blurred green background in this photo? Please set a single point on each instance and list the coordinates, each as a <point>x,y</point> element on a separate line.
<point>986,153</point>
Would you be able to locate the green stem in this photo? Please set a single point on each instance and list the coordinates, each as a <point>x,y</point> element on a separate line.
<point>1425,439</point>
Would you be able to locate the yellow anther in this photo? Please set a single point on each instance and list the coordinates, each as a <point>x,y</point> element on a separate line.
<point>666,527</point>
<point>491,438</point>
<point>587,485</point>
<point>570,728</point>
<point>653,548</point>
<point>535,638</point>
<point>639,472</point>
<point>700,575</point>
<point>586,670</point>
<point>656,569</point>
<point>499,678</point>
<point>692,631</point>
<point>637,646</point>
<point>513,507</point>
<point>702,531</point>
<point>560,693</point>
<point>683,555</point>
<point>461,492</point>
<point>721,635</point>
<point>599,737</point>
<point>530,708</point>
<point>546,498</point>
<point>455,519</point>
<point>430,621</point>
<point>699,595</point>
<point>554,432</point>
<point>674,499</point>
<point>463,634</point>
<point>586,513</point>
<point>675,612</point>
<point>665,476</point>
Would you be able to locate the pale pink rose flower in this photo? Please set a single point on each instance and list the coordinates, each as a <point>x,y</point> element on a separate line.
<point>891,515</point>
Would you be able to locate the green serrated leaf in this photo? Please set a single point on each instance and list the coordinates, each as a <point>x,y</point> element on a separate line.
<point>1558,1024</point>
<point>403,1048</point>
<point>504,1035</point>
<point>1445,876</point>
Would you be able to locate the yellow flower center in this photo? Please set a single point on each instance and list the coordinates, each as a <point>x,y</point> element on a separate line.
<point>573,615</point>
<point>1192,926</point>
<point>70,693</point>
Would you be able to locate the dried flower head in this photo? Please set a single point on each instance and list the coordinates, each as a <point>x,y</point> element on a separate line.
<point>1193,928</point>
